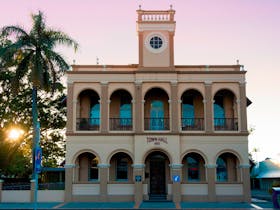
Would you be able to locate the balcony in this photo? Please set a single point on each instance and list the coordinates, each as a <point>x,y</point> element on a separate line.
<point>226,124</point>
<point>156,124</point>
<point>120,124</point>
<point>192,124</point>
<point>88,124</point>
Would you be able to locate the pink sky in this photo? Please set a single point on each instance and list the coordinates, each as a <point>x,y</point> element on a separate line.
<point>207,32</point>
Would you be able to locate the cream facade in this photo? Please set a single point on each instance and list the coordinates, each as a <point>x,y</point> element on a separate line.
<point>155,130</point>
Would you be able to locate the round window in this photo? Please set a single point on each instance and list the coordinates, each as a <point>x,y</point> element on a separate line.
<point>156,42</point>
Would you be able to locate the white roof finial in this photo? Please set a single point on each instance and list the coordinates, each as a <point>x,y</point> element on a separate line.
<point>171,6</point>
<point>139,6</point>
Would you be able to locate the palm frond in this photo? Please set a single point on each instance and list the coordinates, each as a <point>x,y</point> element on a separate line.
<point>17,30</point>
<point>60,38</point>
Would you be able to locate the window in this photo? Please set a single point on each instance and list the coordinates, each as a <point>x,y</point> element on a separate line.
<point>221,170</point>
<point>122,168</point>
<point>125,112</point>
<point>193,169</point>
<point>93,169</point>
<point>188,115</point>
<point>157,115</point>
<point>219,115</point>
<point>156,42</point>
<point>95,114</point>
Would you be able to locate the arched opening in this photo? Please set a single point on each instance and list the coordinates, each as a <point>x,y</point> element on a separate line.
<point>156,110</point>
<point>157,173</point>
<point>193,168</point>
<point>121,110</point>
<point>225,111</point>
<point>227,168</point>
<point>87,169</point>
<point>192,110</point>
<point>88,111</point>
<point>121,167</point>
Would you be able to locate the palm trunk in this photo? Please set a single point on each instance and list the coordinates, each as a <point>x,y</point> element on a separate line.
<point>35,124</point>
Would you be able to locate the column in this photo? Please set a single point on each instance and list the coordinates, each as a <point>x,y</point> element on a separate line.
<point>104,107</point>
<point>174,107</point>
<point>243,107</point>
<point>176,175</point>
<point>103,180</point>
<point>69,122</point>
<point>138,107</point>
<point>69,172</point>
<point>138,176</point>
<point>245,169</point>
<point>211,179</point>
<point>1,187</point>
<point>208,104</point>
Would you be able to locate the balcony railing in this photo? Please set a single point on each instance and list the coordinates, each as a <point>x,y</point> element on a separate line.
<point>156,123</point>
<point>226,124</point>
<point>88,124</point>
<point>121,124</point>
<point>192,124</point>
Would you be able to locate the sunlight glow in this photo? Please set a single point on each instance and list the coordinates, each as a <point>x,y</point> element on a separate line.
<point>15,133</point>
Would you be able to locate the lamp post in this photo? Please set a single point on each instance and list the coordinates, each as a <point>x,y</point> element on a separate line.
<point>37,162</point>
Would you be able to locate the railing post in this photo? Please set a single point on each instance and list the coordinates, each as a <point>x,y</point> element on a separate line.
<point>32,190</point>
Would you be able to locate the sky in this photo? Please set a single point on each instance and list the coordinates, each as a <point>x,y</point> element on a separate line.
<point>208,32</point>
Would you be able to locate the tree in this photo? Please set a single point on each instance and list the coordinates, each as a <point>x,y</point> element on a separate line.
<point>36,60</point>
<point>16,111</point>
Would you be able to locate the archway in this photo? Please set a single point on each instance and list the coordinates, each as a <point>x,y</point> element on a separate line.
<point>157,173</point>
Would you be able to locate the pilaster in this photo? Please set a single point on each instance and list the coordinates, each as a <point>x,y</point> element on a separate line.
<point>69,172</point>
<point>174,107</point>
<point>246,182</point>
<point>138,174</point>
<point>69,122</point>
<point>138,107</point>
<point>211,179</point>
<point>208,104</point>
<point>176,174</point>
<point>243,107</point>
<point>104,107</point>
<point>103,180</point>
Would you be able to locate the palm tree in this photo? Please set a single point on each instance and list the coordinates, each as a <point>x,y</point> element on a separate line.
<point>35,59</point>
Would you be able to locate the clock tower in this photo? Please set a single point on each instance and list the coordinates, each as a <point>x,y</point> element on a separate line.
<point>156,30</point>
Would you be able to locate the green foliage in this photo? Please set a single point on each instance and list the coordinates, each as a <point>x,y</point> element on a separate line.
<point>29,69</point>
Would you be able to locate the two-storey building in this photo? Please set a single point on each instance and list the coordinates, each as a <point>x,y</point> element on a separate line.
<point>156,130</point>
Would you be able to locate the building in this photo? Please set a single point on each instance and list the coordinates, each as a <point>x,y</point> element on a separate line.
<point>266,174</point>
<point>155,130</point>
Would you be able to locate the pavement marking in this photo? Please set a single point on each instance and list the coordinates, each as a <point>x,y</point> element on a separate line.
<point>59,205</point>
<point>255,206</point>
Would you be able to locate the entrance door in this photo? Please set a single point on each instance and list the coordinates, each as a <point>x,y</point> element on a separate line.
<point>157,175</point>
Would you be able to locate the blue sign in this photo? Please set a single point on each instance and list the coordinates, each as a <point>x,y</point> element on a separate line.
<point>138,178</point>
<point>38,159</point>
<point>176,178</point>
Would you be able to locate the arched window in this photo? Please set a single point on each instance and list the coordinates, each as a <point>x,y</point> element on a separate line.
<point>193,168</point>
<point>157,115</point>
<point>222,174</point>
<point>95,114</point>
